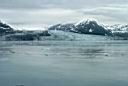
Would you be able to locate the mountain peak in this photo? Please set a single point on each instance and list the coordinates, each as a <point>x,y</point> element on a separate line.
<point>86,21</point>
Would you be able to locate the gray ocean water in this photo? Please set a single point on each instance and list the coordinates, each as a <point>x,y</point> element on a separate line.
<point>64,63</point>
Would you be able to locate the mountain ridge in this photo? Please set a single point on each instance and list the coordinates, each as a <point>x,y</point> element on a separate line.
<point>83,27</point>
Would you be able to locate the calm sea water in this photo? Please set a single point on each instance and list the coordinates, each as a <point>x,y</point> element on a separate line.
<point>64,63</point>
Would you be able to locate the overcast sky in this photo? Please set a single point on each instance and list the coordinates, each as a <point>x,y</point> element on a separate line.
<point>36,14</point>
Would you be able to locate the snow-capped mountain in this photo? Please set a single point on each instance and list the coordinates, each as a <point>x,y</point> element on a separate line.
<point>5,29</point>
<point>118,28</point>
<point>69,31</point>
<point>91,27</point>
<point>8,33</point>
<point>83,27</point>
<point>117,31</point>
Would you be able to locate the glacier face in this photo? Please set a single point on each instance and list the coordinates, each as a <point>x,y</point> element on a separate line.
<point>61,35</point>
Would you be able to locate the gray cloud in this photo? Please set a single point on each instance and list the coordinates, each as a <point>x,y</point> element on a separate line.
<point>57,3</point>
<point>114,14</point>
<point>40,13</point>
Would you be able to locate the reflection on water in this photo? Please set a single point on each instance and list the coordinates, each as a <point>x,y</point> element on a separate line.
<point>5,50</point>
<point>5,53</point>
<point>64,63</point>
<point>91,53</point>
